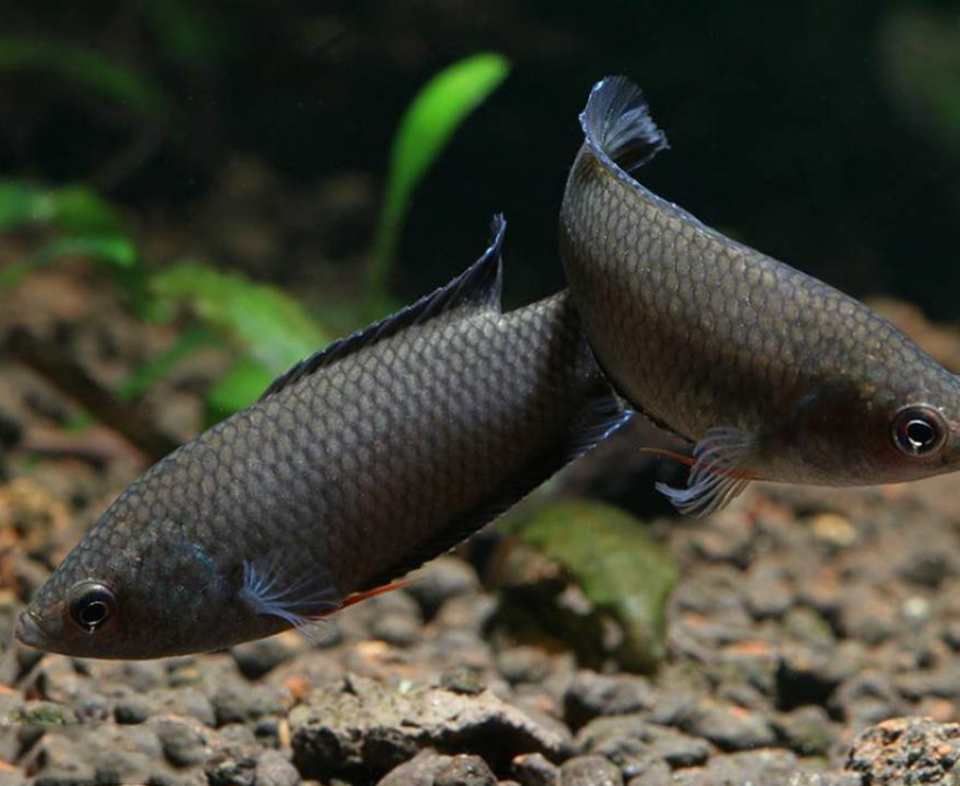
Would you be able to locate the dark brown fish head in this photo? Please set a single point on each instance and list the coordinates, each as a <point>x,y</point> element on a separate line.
<point>138,592</point>
<point>897,427</point>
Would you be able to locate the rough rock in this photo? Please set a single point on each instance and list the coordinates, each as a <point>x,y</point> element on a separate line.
<point>731,727</point>
<point>591,695</point>
<point>757,768</point>
<point>275,769</point>
<point>101,754</point>
<point>444,578</point>
<point>907,751</point>
<point>534,769</point>
<point>332,730</point>
<point>465,770</point>
<point>421,770</point>
<point>590,771</point>
<point>631,741</point>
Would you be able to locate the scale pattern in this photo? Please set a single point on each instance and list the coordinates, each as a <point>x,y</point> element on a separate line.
<point>345,478</point>
<point>698,331</point>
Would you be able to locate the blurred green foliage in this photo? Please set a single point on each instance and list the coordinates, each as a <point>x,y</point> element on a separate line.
<point>270,330</point>
<point>145,377</point>
<point>86,68</point>
<point>86,226</point>
<point>74,210</point>
<point>922,64</point>
<point>427,126</point>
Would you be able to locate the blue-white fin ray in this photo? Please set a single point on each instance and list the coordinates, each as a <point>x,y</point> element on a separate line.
<point>721,471</point>
<point>301,602</point>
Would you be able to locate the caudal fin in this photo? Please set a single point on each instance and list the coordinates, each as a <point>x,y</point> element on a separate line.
<point>618,125</point>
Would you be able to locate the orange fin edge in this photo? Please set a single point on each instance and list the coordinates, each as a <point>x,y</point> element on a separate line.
<point>358,597</point>
<point>689,461</point>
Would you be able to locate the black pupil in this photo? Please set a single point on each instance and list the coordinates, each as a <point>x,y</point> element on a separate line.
<point>920,434</point>
<point>93,611</point>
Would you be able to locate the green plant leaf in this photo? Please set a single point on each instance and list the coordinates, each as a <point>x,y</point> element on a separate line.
<point>142,379</point>
<point>428,124</point>
<point>119,252</point>
<point>77,210</point>
<point>73,209</point>
<point>268,324</point>
<point>238,388</point>
<point>22,202</point>
<point>84,67</point>
<point>617,565</point>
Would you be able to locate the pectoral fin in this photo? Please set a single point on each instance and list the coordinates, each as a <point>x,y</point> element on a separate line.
<point>720,471</point>
<point>268,589</point>
<point>303,602</point>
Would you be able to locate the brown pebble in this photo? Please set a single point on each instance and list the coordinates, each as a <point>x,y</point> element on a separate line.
<point>590,771</point>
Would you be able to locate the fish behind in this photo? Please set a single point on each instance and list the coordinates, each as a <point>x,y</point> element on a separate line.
<point>770,372</point>
<point>358,465</point>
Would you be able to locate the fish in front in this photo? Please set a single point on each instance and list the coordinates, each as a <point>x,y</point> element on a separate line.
<point>771,373</point>
<point>358,465</point>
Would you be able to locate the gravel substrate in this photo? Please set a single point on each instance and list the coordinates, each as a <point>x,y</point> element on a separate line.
<point>813,636</point>
<point>805,620</point>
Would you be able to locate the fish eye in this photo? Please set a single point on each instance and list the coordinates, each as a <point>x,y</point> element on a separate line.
<point>92,606</point>
<point>919,431</point>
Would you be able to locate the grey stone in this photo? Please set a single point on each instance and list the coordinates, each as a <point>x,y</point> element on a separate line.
<point>185,701</point>
<point>238,703</point>
<point>275,769</point>
<point>395,628</point>
<point>758,768</point>
<point>444,578</point>
<point>630,739</point>
<point>133,709</point>
<point>524,664</point>
<point>419,771</point>
<point>100,754</point>
<point>63,764</point>
<point>13,776</point>
<point>463,679</point>
<point>534,769</point>
<point>465,770</point>
<point>806,730</point>
<point>590,771</point>
<point>657,773</point>
<point>330,730</point>
<point>232,764</point>
<point>825,779</point>
<point>185,741</point>
<point>590,695</point>
<point>731,727</point>
<point>256,658</point>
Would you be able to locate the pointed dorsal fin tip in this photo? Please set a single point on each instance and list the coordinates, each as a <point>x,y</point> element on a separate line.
<point>478,288</point>
<point>618,125</point>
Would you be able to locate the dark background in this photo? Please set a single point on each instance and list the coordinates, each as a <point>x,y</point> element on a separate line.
<point>824,133</point>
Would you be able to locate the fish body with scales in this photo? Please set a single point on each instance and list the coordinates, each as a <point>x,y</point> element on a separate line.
<point>771,372</point>
<point>355,467</point>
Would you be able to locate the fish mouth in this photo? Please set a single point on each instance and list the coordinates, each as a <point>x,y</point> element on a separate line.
<point>29,630</point>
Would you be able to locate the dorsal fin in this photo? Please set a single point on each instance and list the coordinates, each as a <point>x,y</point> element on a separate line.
<point>618,125</point>
<point>476,289</point>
